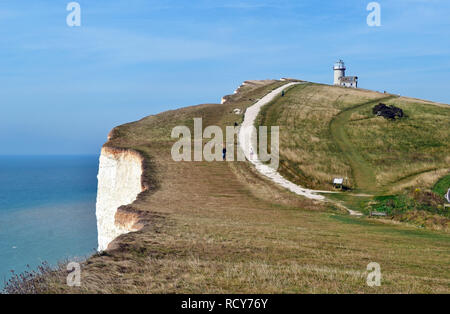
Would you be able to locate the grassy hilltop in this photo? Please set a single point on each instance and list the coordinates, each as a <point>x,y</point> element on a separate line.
<point>330,132</point>
<point>219,227</point>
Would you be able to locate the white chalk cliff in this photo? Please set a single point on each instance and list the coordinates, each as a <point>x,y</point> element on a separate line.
<point>119,183</point>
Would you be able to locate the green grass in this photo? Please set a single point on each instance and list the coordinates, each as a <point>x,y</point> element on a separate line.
<point>397,204</point>
<point>363,173</point>
<point>403,148</point>
<point>441,187</point>
<point>308,153</point>
<point>328,132</point>
<point>219,227</point>
<point>419,208</point>
<point>374,226</point>
<point>356,203</point>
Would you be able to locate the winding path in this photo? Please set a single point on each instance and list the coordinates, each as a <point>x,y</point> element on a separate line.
<point>248,130</point>
<point>363,173</point>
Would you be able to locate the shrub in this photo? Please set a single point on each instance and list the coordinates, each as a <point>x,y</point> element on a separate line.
<point>417,200</point>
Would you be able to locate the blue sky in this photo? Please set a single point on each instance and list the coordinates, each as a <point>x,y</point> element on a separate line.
<point>62,89</point>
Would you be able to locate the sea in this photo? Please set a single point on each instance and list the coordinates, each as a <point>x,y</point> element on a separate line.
<point>47,211</point>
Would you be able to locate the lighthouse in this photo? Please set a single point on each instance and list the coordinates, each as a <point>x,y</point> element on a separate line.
<point>339,76</point>
<point>339,71</point>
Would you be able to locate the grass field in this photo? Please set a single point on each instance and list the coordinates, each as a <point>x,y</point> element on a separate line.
<point>441,187</point>
<point>329,132</point>
<point>363,174</point>
<point>399,150</point>
<point>218,227</point>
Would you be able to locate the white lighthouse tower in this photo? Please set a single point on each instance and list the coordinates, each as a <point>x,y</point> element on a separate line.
<point>339,72</point>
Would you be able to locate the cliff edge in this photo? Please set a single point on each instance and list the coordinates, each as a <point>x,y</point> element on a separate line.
<point>220,227</point>
<point>119,184</point>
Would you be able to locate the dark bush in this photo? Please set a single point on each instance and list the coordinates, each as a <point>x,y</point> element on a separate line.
<point>388,112</point>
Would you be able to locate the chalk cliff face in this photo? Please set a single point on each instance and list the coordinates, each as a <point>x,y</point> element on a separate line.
<point>119,183</point>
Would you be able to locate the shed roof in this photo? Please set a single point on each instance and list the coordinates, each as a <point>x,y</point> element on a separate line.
<point>349,79</point>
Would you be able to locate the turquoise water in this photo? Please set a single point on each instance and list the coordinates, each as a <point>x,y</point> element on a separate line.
<point>47,210</point>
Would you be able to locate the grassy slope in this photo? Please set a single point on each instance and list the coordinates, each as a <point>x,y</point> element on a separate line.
<point>309,154</point>
<point>329,131</point>
<point>362,171</point>
<point>406,148</point>
<point>441,187</point>
<point>219,227</point>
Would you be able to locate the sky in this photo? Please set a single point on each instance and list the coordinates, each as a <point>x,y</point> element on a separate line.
<point>62,89</point>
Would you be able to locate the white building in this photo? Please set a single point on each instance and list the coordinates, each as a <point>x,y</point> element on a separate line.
<point>339,76</point>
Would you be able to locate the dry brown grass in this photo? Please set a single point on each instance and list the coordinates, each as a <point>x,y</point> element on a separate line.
<point>308,153</point>
<point>220,227</point>
<point>404,149</point>
<point>426,179</point>
<point>329,131</point>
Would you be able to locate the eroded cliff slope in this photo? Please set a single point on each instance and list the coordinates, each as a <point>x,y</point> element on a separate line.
<point>215,227</point>
<point>119,183</point>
